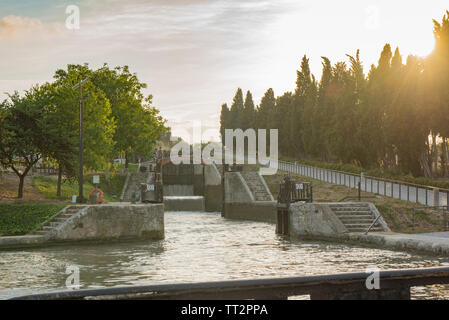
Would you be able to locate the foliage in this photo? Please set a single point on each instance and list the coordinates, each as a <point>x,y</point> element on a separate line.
<point>26,132</point>
<point>380,121</point>
<point>138,123</point>
<point>48,185</point>
<point>22,218</point>
<point>43,123</point>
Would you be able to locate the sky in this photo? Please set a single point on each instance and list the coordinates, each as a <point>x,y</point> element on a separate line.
<point>195,54</point>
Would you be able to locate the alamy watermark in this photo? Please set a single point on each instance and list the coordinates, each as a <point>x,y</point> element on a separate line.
<point>372,21</point>
<point>372,282</point>
<point>233,151</point>
<point>72,282</point>
<point>72,21</point>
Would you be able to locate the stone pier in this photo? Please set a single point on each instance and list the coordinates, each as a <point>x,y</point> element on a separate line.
<point>247,197</point>
<point>98,223</point>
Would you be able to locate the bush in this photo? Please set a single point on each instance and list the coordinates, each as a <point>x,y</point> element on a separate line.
<point>112,189</point>
<point>22,218</point>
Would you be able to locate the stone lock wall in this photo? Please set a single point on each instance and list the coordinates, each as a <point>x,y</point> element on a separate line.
<point>213,190</point>
<point>241,203</point>
<point>114,221</point>
<point>312,219</point>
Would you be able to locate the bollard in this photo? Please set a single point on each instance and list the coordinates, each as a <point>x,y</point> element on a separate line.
<point>93,198</point>
<point>133,197</point>
<point>282,224</point>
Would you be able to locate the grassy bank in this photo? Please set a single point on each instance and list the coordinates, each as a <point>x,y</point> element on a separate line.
<point>112,188</point>
<point>21,218</point>
<point>400,215</point>
<point>379,173</point>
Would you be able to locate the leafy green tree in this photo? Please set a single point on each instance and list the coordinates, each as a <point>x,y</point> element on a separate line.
<point>99,125</point>
<point>266,111</point>
<point>437,88</point>
<point>24,134</point>
<point>284,107</point>
<point>249,112</point>
<point>301,130</point>
<point>224,121</point>
<point>236,111</point>
<point>138,123</point>
<point>382,120</point>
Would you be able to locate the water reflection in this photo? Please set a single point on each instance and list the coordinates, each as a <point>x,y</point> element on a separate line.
<point>198,247</point>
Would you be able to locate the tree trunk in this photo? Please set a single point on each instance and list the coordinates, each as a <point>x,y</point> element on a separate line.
<point>126,160</point>
<point>424,161</point>
<point>21,183</point>
<point>444,157</point>
<point>434,157</point>
<point>58,190</point>
<point>22,178</point>
<point>106,174</point>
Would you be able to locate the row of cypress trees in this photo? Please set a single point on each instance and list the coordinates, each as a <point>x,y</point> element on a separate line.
<point>394,117</point>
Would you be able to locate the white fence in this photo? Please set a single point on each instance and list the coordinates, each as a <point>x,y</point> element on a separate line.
<point>424,195</point>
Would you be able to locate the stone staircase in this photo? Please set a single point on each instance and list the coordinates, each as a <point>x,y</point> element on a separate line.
<point>133,185</point>
<point>356,217</point>
<point>257,186</point>
<point>58,219</point>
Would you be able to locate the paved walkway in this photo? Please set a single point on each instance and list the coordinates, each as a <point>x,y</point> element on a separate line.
<point>433,243</point>
<point>436,234</point>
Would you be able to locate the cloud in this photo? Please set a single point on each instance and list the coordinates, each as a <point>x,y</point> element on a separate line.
<point>12,26</point>
<point>193,54</point>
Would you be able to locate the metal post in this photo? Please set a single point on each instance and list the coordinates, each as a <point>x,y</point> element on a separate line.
<point>360,191</point>
<point>81,119</point>
<point>223,195</point>
<point>81,112</point>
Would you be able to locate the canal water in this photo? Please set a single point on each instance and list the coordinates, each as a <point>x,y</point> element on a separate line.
<point>198,247</point>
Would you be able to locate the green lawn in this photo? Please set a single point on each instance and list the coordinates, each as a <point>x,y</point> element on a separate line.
<point>21,218</point>
<point>132,167</point>
<point>112,189</point>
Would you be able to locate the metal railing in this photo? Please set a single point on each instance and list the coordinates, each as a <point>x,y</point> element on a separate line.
<point>292,191</point>
<point>393,285</point>
<point>425,195</point>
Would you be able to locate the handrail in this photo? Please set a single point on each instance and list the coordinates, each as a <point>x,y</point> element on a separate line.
<point>394,283</point>
<point>372,225</point>
<point>356,198</point>
<point>371,177</point>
